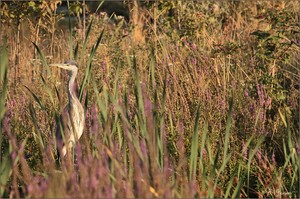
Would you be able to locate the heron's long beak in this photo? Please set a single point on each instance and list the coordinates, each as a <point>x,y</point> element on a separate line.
<point>69,67</point>
<point>64,66</point>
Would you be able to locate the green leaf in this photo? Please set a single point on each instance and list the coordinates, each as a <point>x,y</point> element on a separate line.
<point>4,86</point>
<point>194,147</point>
<point>86,39</point>
<point>227,130</point>
<point>35,122</point>
<point>42,58</point>
<point>202,147</point>
<point>36,99</point>
<point>260,34</point>
<point>5,172</point>
<point>89,65</point>
<point>237,189</point>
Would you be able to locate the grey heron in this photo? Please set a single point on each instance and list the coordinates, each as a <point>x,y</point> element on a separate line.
<point>71,124</point>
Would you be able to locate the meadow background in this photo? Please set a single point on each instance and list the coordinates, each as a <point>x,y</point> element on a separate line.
<point>183,99</point>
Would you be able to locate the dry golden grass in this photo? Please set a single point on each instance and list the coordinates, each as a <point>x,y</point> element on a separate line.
<point>207,57</point>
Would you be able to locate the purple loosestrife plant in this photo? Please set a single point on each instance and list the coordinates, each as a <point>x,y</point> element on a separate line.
<point>297,149</point>
<point>94,120</point>
<point>246,93</point>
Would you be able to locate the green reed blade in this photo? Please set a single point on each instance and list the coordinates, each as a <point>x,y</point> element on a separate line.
<point>3,60</point>
<point>215,163</point>
<point>251,156</point>
<point>76,52</point>
<point>36,99</point>
<point>230,183</point>
<point>86,101</point>
<point>238,188</point>
<point>227,130</point>
<point>164,95</point>
<point>209,152</point>
<point>152,68</point>
<point>295,177</point>
<point>202,147</point>
<point>101,103</point>
<point>4,79</point>
<point>43,59</point>
<point>35,122</point>
<point>222,169</point>
<point>141,122</point>
<point>5,172</point>
<point>99,6</point>
<point>47,88</point>
<point>194,147</point>
<point>3,92</point>
<point>86,40</point>
<point>120,136</point>
<point>57,93</point>
<point>138,90</point>
<point>89,65</point>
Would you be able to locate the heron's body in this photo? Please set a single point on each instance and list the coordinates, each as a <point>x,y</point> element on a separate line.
<point>72,120</point>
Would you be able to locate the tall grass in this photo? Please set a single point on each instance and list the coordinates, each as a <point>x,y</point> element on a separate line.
<point>5,168</point>
<point>201,109</point>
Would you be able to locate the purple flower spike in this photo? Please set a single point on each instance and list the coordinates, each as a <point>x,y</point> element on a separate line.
<point>298,149</point>
<point>246,93</point>
<point>223,104</point>
<point>193,46</point>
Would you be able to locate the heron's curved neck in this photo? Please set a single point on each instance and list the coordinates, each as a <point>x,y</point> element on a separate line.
<point>72,89</point>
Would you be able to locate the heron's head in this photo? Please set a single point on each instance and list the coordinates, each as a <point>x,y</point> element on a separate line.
<point>72,67</point>
<point>68,65</point>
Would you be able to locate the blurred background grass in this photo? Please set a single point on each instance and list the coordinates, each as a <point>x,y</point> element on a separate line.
<point>182,99</point>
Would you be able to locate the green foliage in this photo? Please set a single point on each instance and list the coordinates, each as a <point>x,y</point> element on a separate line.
<point>206,107</point>
<point>6,165</point>
<point>3,79</point>
<point>16,11</point>
<point>194,147</point>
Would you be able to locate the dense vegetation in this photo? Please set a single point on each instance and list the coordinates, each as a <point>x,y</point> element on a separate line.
<point>184,99</point>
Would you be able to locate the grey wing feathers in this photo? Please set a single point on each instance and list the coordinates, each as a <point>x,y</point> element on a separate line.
<point>65,125</point>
